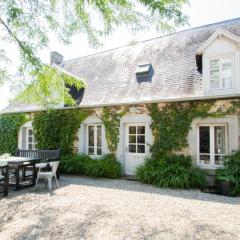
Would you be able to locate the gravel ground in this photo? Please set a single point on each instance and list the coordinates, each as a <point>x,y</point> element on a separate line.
<point>85,208</point>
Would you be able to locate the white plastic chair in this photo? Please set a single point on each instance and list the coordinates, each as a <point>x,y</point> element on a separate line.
<point>48,175</point>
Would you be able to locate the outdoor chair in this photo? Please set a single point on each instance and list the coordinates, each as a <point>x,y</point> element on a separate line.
<point>49,175</point>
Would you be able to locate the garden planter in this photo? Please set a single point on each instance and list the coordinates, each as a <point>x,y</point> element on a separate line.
<point>225,188</point>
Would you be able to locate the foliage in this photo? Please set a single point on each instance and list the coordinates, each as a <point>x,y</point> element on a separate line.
<point>74,163</point>
<point>9,128</point>
<point>111,119</point>
<point>55,129</point>
<point>28,25</point>
<point>47,89</point>
<point>107,166</point>
<point>231,172</point>
<point>171,171</point>
<point>172,123</point>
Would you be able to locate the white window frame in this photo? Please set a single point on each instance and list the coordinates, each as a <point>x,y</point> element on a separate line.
<point>220,58</point>
<point>95,139</point>
<point>127,139</point>
<point>212,145</point>
<point>27,140</point>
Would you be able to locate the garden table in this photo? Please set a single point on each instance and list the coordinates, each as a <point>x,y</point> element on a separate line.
<point>19,162</point>
<point>4,175</point>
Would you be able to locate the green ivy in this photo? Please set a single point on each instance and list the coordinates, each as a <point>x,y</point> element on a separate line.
<point>57,128</point>
<point>111,119</point>
<point>171,124</point>
<point>9,128</point>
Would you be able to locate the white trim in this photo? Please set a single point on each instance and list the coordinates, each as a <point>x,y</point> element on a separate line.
<point>218,34</point>
<point>211,126</point>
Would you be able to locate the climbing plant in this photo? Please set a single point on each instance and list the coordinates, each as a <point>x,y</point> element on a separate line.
<point>111,119</point>
<point>9,128</point>
<point>171,124</point>
<point>57,128</point>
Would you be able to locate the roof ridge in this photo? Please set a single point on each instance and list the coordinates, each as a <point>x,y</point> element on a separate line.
<point>155,38</point>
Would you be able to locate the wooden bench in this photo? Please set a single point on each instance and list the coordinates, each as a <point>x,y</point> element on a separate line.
<point>43,155</point>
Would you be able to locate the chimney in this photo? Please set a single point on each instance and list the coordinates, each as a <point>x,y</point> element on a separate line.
<point>55,58</point>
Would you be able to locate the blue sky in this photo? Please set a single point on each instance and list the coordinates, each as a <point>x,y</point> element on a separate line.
<point>200,12</point>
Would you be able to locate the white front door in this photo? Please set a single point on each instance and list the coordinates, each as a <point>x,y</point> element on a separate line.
<point>136,147</point>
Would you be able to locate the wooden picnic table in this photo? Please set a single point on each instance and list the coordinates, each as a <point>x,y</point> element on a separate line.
<point>20,162</point>
<point>4,173</point>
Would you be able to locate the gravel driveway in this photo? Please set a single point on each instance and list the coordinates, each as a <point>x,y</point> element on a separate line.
<point>85,208</point>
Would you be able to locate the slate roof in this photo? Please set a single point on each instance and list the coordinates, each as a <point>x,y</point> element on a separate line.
<point>111,79</point>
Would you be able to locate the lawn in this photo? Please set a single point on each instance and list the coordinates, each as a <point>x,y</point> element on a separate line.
<point>86,208</point>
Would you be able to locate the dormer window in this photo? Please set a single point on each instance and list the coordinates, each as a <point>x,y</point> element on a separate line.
<point>144,72</point>
<point>143,68</point>
<point>221,73</point>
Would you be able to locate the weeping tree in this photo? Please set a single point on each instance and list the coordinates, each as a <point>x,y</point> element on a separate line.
<point>27,24</point>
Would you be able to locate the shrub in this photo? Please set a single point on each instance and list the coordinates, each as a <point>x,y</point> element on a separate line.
<point>74,163</point>
<point>231,172</point>
<point>172,171</point>
<point>107,166</point>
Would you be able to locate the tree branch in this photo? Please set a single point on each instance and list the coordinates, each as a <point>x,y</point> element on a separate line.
<point>13,35</point>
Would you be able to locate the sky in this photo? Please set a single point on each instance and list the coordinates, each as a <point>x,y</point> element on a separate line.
<point>200,12</point>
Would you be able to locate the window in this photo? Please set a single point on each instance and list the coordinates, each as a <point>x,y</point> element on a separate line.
<point>221,73</point>
<point>30,139</point>
<point>143,68</point>
<point>212,144</point>
<point>136,139</point>
<point>94,140</point>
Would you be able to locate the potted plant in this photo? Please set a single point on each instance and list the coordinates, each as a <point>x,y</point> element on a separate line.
<point>229,176</point>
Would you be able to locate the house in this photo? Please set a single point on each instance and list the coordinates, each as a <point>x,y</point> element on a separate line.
<point>196,64</point>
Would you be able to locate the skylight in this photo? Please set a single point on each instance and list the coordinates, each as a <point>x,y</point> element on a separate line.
<point>143,68</point>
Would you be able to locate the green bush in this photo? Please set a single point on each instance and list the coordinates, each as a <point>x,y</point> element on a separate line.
<point>172,171</point>
<point>74,163</point>
<point>107,166</point>
<point>231,172</point>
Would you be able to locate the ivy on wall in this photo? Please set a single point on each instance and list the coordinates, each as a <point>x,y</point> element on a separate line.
<point>55,129</point>
<point>171,124</point>
<point>111,119</point>
<point>9,128</point>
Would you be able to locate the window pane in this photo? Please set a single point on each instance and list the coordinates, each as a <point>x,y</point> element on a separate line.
<point>141,148</point>
<point>132,138</point>
<point>99,151</point>
<point>30,139</point>
<point>132,130</point>
<point>90,135</point>
<point>219,141</point>
<point>30,146</point>
<point>141,139</point>
<point>30,131</point>
<point>91,150</point>
<point>99,136</point>
<point>132,148</point>
<point>141,129</point>
<point>204,139</point>
<point>227,73</point>
<point>214,74</point>
<point>204,159</point>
